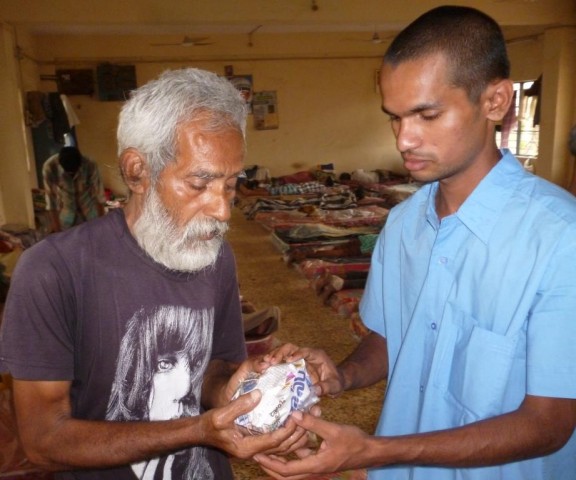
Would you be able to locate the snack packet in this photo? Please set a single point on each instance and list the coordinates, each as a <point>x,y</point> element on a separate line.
<point>285,387</point>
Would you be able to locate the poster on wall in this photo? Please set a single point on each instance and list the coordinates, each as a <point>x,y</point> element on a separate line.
<point>244,84</point>
<point>75,81</point>
<point>265,110</point>
<point>115,82</point>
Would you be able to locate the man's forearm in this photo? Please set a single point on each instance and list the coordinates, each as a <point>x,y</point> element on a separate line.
<point>102,444</point>
<point>539,427</point>
<point>214,387</point>
<point>366,365</point>
<point>54,439</point>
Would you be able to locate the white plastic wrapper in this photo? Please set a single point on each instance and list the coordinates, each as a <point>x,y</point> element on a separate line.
<point>285,388</point>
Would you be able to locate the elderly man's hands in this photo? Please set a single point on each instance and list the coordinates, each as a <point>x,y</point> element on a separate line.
<point>221,431</point>
<point>326,378</point>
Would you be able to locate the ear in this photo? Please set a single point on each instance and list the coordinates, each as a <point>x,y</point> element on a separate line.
<point>135,170</point>
<point>497,99</point>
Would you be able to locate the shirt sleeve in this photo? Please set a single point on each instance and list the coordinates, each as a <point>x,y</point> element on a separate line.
<point>50,186</point>
<point>551,356</point>
<point>372,302</point>
<point>229,341</point>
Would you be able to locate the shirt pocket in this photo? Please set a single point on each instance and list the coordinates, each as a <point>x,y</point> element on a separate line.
<point>480,370</point>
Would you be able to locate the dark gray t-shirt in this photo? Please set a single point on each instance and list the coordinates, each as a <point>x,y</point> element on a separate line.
<point>88,305</point>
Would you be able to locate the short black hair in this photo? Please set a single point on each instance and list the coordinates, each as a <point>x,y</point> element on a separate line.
<point>70,159</point>
<point>471,41</point>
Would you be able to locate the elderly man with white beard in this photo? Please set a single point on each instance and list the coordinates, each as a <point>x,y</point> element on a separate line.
<point>80,336</point>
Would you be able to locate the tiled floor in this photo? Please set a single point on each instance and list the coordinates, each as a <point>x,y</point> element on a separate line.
<point>266,280</point>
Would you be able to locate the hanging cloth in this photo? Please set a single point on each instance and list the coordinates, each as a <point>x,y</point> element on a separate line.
<point>73,119</point>
<point>535,91</point>
<point>35,113</point>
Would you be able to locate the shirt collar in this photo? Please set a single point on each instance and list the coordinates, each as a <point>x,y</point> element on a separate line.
<point>481,210</point>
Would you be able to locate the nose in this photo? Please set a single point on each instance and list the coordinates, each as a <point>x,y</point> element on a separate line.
<point>219,205</point>
<point>407,135</point>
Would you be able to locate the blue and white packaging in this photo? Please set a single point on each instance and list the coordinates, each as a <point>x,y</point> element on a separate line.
<point>285,387</point>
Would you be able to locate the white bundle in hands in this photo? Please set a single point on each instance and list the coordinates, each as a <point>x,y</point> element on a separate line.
<point>285,388</point>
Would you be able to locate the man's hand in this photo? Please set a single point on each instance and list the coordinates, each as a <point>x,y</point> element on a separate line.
<point>251,365</point>
<point>326,378</point>
<point>341,449</point>
<point>222,432</point>
<point>258,365</point>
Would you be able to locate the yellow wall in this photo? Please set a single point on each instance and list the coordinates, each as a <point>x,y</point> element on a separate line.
<point>329,109</point>
<point>328,106</point>
<point>558,114</point>
<point>15,160</point>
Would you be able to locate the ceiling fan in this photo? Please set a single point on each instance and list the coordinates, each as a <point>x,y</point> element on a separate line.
<point>186,42</point>
<point>375,39</point>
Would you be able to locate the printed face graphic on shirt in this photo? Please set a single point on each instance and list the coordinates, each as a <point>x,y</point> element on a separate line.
<point>161,363</point>
<point>170,385</point>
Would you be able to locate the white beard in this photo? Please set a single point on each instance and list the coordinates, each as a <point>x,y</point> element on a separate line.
<point>177,248</point>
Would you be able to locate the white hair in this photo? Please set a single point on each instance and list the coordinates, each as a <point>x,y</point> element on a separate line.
<point>177,248</point>
<point>149,119</point>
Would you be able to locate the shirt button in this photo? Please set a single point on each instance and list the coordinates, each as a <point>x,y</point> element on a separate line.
<point>421,388</point>
<point>443,260</point>
<point>433,326</point>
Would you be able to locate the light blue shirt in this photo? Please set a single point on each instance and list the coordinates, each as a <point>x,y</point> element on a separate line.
<point>478,310</point>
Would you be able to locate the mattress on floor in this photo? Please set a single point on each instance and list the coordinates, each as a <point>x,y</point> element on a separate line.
<point>346,302</point>
<point>285,243</point>
<point>314,267</point>
<point>357,327</point>
<point>371,215</point>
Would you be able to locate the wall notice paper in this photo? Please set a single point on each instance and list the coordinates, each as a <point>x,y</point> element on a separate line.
<point>265,110</point>
<point>285,388</point>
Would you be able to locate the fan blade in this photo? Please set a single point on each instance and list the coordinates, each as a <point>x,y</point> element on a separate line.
<point>196,44</point>
<point>190,41</point>
<point>376,38</point>
<point>186,42</point>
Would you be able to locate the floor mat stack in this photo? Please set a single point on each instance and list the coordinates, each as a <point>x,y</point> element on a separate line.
<point>329,235</point>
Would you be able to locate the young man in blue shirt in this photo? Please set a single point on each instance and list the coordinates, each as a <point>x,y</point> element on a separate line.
<point>472,293</point>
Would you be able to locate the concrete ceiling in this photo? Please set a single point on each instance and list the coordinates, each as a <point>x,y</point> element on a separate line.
<point>175,18</point>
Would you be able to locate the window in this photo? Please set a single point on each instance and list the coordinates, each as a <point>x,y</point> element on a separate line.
<point>519,133</point>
